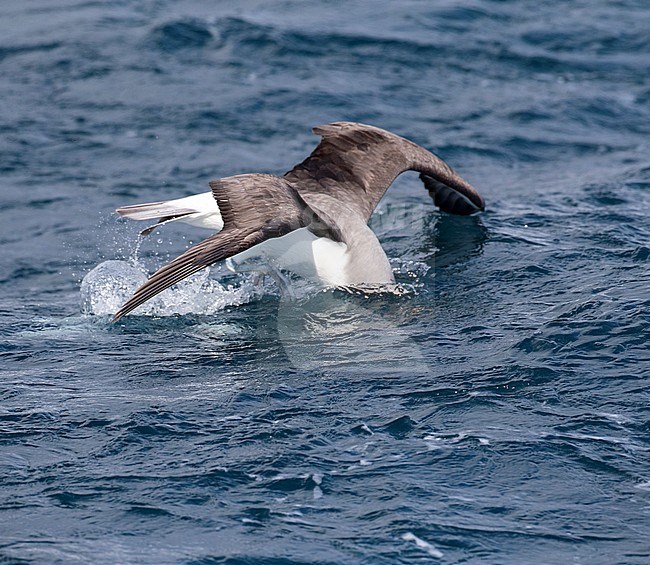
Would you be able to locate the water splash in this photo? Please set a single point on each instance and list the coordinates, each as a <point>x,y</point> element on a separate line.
<point>411,269</point>
<point>111,283</point>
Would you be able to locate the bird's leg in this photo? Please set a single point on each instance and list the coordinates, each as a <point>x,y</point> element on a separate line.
<point>265,269</point>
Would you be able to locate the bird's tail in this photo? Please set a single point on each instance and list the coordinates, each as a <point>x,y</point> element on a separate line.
<point>153,210</point>
<point>200,210</point>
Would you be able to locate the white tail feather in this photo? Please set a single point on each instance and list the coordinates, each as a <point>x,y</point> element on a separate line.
<point>152,210</point>
<point>199,210</point>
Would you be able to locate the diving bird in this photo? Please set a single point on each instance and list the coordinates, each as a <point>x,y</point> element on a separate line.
<point>313,220</point>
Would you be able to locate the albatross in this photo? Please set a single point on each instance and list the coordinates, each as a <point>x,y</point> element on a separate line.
<point>313,220</point>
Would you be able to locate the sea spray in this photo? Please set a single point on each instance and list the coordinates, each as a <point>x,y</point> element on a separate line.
<point>111,283</point>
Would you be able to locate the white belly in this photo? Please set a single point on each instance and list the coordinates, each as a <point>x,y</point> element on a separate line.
<point>316,258</point>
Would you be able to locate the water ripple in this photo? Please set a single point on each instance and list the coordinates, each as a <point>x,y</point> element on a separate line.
<point>496,412</point>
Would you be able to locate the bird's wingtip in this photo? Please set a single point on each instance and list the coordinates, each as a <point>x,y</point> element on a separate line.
<point>462,201</point>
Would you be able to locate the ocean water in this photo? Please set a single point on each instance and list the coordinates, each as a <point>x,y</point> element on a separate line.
<point>497,412</point>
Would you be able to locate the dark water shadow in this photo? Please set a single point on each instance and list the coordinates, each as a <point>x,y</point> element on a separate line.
<point>457,239</point>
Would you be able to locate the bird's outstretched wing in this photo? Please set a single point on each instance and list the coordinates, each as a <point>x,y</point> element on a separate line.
<point>244,201</point>
<point>356,163</point>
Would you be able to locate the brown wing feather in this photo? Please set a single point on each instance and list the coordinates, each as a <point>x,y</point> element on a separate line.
<point>356,164</point>
<point>244,204</point>
<point>222,245</point>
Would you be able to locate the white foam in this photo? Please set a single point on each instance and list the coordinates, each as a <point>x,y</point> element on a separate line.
<point>111,283</point>
<point>430,549</point>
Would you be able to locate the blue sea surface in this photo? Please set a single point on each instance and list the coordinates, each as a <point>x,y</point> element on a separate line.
<point>497,412</point>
